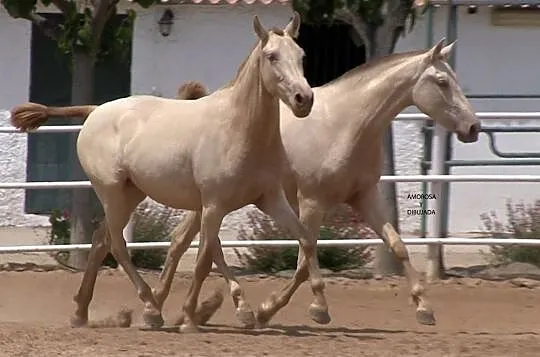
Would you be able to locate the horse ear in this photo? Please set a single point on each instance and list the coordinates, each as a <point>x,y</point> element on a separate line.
<point>446,51</point>
<point>293,28</point>
<point>435,52</point>
<point>259,29</point>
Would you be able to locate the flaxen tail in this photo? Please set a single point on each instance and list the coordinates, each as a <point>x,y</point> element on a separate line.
<point>30,116</point>
<point>192,90</point>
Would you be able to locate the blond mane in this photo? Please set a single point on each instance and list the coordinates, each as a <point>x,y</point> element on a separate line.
<point>372,68</point>
<point>229,84</point>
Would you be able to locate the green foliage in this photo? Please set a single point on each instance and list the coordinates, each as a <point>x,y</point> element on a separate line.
<point>19,8</point>
<point>340,223</point>
<point>60,235</point>
<point>371,12</point>
<point>78,30</point>
<point>151,225</point>
<point>523,221</point>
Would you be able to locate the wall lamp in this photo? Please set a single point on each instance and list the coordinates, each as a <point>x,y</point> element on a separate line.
<point>165,23</point>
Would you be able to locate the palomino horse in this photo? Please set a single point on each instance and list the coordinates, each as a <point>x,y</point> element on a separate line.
<point>212,156</point>
<point>335,156</point>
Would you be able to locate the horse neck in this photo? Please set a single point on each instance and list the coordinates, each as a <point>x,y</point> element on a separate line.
<point>257,110</point>
<point>372,101</point>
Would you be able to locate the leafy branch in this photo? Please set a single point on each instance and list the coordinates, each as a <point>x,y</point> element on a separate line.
<point>84,28</point>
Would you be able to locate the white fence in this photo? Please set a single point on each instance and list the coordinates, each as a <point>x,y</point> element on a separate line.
<point>438,159</point>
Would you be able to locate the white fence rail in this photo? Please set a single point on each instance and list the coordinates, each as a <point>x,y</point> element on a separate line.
<point>282,243</point>
<point>294,243</point>
<point>401,117</point>
<point>406,178</point>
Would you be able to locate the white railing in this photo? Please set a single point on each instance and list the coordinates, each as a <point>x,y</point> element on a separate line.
<point>401,117</point>
<point>434,179</point>
<point>281,243</point>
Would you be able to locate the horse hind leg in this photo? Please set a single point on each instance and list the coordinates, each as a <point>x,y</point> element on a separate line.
<point>119,201</point>
<point>98,251</point>
<point>371,207</point>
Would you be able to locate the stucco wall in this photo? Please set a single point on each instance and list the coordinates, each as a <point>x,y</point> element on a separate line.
<point>489,60</point>
<point>207,44</point>
<point>15,79</point>
<point>161,64</point>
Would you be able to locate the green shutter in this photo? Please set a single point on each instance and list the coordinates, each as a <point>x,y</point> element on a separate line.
<point>50,84</point>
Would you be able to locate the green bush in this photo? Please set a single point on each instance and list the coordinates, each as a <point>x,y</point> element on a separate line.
<point>60,235</point>
<point>339,223</point>
<point>523,221</point>
<point>151,225</point>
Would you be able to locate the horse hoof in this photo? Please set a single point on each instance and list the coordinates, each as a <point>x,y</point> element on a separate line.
<point>77,322</point>
<point>189,328</point>
<point>262,317</point>
<point>425,317</point>
<point>319,315</point>
<point>153,319</point>
<point>246,317</point>
<point>208,308</point>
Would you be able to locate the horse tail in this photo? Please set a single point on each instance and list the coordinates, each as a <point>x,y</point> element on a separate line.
<point>30,116</point>
<point>192,90</point>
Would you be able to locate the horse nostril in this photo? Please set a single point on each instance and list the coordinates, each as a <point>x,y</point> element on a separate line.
<point>298,98</point>
<point>475,129</point>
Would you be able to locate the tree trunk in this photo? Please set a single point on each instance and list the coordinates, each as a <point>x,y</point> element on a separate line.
<point>82,93</point>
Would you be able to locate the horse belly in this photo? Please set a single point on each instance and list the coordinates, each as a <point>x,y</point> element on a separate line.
<point>170,184</point>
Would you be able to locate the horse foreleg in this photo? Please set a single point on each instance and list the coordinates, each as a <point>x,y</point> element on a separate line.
<point>277,207</point>
<point>211,219</point>
<point>371,207</point>
<point>182,237</point>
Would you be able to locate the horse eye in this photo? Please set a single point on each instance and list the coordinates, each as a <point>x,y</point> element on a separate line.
<point>443,81</point>
<point>272,56</point>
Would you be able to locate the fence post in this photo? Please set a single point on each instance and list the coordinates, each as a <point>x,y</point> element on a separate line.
<point>434,226</point>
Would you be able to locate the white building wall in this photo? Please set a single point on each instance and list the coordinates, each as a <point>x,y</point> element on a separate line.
<point>489,60</point>
<point>207,44</point>
<point>15,38</point>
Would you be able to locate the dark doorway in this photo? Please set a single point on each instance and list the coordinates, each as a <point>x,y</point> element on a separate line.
<point>330,52</point>
<point>50,84</point>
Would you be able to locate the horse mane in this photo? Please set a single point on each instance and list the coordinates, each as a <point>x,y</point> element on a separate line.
<point>378,64</point>
<point>195,90</point>
<point>229,84</point>
<point>240,68</point>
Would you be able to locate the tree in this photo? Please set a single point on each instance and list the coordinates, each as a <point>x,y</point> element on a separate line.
<point>86,36</point>
<point>378,24</point>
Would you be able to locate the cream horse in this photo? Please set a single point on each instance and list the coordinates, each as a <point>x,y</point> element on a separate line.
<point>212,156</point>
<point>335,156</point>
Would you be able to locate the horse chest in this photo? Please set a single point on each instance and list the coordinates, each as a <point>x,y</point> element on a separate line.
<point>344,179</point>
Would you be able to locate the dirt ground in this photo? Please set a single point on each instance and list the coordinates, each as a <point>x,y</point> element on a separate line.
<point>370,318</point>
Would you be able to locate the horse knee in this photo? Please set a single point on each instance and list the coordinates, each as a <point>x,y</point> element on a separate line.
<point>308,246</point>
<point>399,249</point>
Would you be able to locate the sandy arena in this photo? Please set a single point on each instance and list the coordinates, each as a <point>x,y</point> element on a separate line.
<point>370,318</point>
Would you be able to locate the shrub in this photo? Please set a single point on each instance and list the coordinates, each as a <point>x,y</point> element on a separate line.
<point>523,221</point>
<point>151,225</point>
<point>341,222</point>
<point>60,235</point>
